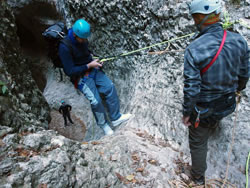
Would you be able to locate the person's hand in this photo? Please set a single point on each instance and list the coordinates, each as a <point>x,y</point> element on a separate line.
<point>94,64</point>
<point>185,120</point>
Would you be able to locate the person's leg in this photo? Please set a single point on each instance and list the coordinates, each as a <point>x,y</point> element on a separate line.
<point>65,120</point>
<point>198,138</point>
<point>87,86</point>
<point>70,120</point>
<point>107,88</point>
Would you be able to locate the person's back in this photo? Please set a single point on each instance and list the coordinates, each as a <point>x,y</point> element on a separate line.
<point>222,77</point>
<point>216,65</point>
<point>65,108</point>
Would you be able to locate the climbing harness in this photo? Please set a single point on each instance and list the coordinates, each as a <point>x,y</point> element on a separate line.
<point>199,112</point>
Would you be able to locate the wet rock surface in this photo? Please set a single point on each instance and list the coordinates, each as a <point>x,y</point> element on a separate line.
<point>152,148</point>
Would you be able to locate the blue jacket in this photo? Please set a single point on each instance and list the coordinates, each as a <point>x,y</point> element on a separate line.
<point>223,76</point>
<point>74,61</point>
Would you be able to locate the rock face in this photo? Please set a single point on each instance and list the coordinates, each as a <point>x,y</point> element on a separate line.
<point>151,148</point>
<point>23,105</point>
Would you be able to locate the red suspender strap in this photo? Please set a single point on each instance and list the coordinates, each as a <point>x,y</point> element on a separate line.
<point>217,54</point>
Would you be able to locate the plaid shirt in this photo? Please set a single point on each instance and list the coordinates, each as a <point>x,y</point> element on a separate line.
<point>222,77</point>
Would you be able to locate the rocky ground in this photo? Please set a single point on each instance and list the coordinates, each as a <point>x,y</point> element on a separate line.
<point>151,150</point>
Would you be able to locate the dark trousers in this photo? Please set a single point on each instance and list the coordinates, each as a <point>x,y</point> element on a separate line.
<point>65,116</point>
<point>198,139</point>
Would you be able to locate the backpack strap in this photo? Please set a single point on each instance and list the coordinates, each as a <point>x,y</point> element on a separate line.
<point>217,54</point>
<point>67,43</point>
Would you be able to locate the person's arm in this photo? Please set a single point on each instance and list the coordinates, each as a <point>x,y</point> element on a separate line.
<point>69,107</point>
<point>244,73</point>
<point>192,81</point>
<point>60,109</point>
<point>68,64</point>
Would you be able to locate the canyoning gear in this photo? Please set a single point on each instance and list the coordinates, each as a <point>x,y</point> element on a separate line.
<point>122,119</point>
<point>217,54</point>
<point>107,130</point>
<point>205,6</point>
<point>214,111</point>
<point>94,85</point>
<point>54,35</point>
<point>65,111</point>
<point>217,81</point>
<point>82,29</point>
<point>75,62</point>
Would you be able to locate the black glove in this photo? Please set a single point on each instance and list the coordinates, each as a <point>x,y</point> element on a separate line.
<point>242,82</point>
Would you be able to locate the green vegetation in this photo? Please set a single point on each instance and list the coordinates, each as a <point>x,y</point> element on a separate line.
<point>236,2</point>
<point>3,87</point>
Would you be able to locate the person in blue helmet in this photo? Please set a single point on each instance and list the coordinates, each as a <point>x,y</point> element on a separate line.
<point>88,77</point>
<point>210,85</point>
<point>65,111</point>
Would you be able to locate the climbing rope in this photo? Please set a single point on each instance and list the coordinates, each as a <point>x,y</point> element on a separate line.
<point>247,169</point>
<point>227,23</point>
<point>147,47</point>
<point>231,147</point>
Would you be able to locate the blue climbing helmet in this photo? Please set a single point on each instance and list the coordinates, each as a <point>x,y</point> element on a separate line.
<point>205,6</point>
<point>62,101</point>
<point>82,29</point>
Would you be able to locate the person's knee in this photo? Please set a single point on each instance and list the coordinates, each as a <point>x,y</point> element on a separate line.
<point>109,89</point>
<point>96,103</point>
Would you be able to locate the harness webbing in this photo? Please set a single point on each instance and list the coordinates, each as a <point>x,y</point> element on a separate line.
<point>217,54</point>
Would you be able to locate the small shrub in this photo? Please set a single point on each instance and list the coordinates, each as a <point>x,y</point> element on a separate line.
<point>3,87</point>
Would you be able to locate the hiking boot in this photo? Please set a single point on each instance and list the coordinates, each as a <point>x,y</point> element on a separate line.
<point>199,180</point>
<point>122,119</point>
<point>107,130</point>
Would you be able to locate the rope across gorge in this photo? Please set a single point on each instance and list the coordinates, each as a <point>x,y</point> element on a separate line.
<point>227,24</point>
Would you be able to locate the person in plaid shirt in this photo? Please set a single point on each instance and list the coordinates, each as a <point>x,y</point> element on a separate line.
<point>210,96</point>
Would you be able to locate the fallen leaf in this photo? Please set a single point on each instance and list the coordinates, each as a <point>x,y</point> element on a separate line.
<point>152,161</point>
<point>120,177</point>
<point>101,153</point>
<point>134,181</point>
<point>135,157</point>
<point>140,135</point>
<point>95,143</point>
<point>1,143</point>
<point>84,142</point>
<point>139,169</point>
<point>42,186</point>
<point>130,177</point>
<point>24,153</point>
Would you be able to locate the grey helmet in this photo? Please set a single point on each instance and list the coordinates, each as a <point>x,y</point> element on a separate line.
<point>205,6</point>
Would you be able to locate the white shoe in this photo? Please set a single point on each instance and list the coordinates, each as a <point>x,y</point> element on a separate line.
<point>107,130</point>
<point>122,119</point>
